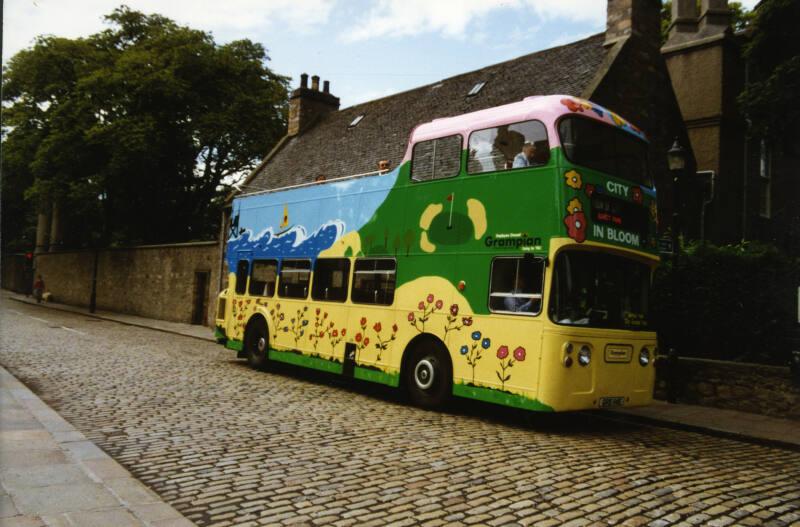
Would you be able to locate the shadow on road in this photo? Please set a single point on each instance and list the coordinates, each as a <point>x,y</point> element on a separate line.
<point>572,424</point>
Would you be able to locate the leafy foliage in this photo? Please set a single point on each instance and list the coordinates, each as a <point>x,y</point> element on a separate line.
<point>732,302</point>
<point>773,55</point>
<point>133,129</point>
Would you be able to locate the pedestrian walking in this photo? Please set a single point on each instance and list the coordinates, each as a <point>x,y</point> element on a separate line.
<point>38,289</point>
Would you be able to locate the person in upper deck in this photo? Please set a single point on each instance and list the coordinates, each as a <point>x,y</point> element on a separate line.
<point>527,157</point>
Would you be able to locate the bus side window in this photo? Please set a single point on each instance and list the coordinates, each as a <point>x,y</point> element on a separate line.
<point>330,279</point>
<point>242,269</point>
<point>295,276</point>
<point>516,285</point>
<point>436,158</point>
<point>373,281</point>
<point>263,277</point>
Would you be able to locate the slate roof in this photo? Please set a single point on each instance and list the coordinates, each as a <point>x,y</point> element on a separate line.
<point>332,149</point>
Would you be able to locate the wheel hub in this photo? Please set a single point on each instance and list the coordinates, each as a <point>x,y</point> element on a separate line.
<point>261,344</point>
<point>424,373</point>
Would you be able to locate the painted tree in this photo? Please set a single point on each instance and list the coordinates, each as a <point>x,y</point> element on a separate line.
<point>135,129</point>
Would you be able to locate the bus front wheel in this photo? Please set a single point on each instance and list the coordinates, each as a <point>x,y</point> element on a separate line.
<point>256,344</point>
<point>428,376</point>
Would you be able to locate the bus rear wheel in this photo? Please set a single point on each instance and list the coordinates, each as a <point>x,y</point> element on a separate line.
<point>428,378</point>
<point>256,344</point>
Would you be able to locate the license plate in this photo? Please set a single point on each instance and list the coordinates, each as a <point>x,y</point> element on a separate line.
<point>611,402</point>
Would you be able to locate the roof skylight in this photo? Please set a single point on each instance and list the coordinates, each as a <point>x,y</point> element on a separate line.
<point>476,89</point>
<point>356,121</point>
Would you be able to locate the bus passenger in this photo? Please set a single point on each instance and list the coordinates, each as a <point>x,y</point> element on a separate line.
<point>520,304</point>
<point>526,157</point>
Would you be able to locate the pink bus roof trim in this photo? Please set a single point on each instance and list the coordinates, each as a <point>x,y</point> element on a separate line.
<point>546,108</point>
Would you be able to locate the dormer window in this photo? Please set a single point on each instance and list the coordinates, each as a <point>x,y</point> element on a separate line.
<point>476,89</point>
<point>355,121</point>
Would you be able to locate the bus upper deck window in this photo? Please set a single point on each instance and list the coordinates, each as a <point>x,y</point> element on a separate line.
<point>436,158</point>
<point>263,277</point>
<point>516,285</point>
<point>242,270</point>
<point>518,145</point>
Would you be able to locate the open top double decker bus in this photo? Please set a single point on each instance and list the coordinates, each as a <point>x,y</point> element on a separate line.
<point>507,259</point>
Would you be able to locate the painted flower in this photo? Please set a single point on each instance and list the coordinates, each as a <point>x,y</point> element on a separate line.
<point>454,309</point>
<point>589,189</point>
<point>302,332</point>
<point>377,327</point>
<point>636,194</point>
<point>394,328</point>
<point>366,341</point>
<point>335,333</point>
<point>278,305</point>
<point>318,310</point>
<point>325,315</point>
<point>573,179</point>
<point>286,329</point>
<point>576,226</point>
<point>519,354</point>
<point>430,298</point>
<point>574,206</point>
<point>305,322</point>
<point>502,352</point>
<point>321,333</point>
<point>332,324</point>
<point>476,335</point>
<point>439,304</point>
<point>467,321</point>
<point>344,332</point>
<point>411,317</point>
<point>421,305</point>
<point>485,343</point>
<point>464,349</point>
<point>363,321</point>
<point>572,104</point>
<point>280,316</point>
<point>358,337</point>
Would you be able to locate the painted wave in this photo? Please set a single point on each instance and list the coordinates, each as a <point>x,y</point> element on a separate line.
<point>295,242</point>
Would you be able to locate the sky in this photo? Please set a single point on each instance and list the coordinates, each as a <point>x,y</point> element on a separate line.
<point>367,48</point>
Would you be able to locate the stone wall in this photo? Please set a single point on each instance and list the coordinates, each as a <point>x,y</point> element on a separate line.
<point>151,281</point>
<point>17,273</point>
<point>754,388</point>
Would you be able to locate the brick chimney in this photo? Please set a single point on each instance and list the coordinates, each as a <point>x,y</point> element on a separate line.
<point>307,104</point>
<point>639,18</point>
<point>715,18</point>
<point>683,21</point>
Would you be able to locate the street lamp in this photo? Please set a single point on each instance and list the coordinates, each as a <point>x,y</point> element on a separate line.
<point>676,160</point>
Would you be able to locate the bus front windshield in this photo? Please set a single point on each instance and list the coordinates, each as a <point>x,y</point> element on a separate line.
<point>599,290</point>
<point>599,146</point>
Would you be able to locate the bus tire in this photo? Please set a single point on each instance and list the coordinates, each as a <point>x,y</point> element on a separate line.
<point>428,375</point>
<point>256,343</point>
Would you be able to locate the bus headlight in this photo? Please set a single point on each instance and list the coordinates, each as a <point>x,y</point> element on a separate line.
<point>584,356</point>
<point>644,357</point>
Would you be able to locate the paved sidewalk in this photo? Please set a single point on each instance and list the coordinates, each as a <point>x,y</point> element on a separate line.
<point>732,423</point>
<point>187,330</point>
<point>781,432</point>
<point>52,475</point>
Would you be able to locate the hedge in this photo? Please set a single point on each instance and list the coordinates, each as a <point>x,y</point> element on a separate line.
<point>732,302</point>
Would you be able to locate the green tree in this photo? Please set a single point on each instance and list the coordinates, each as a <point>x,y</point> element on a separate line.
<point>134,130</point>
<point>773,55</point>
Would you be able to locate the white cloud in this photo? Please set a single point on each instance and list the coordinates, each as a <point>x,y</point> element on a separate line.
<point>452,18</point>
<point>23,20</point>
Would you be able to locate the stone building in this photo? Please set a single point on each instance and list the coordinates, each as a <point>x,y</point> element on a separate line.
<point>621,69</point>
<point>756,187</point>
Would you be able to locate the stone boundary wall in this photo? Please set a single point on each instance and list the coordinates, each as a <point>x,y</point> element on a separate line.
<point>755,388</point>
<point>155,281</point>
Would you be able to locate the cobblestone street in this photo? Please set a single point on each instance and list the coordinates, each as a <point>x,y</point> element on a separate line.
<point>226,445</point>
